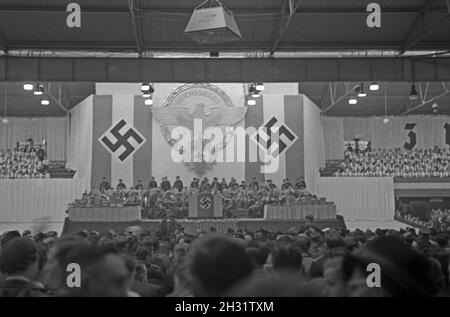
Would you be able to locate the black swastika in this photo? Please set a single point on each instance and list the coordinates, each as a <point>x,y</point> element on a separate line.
<point>122,140</point>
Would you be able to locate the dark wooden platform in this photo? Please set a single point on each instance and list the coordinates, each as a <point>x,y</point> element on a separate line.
<point>190,225</point>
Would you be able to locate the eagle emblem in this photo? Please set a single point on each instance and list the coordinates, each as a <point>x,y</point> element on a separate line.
<point>204,102</point>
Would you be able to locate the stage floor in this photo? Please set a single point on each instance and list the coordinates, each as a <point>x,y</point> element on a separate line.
<point>194,225</point>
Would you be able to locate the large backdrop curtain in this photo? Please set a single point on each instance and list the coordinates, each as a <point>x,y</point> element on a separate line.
<point>360,198</point>
<point>333,130</point>
<point>429,130</point>
<point>52,130</point>
<point>80,140</point>
<point>313,140</point>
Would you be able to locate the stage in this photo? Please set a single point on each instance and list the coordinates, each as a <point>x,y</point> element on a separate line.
<point>193,225</point>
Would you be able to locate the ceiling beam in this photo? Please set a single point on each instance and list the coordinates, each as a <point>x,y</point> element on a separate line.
<point>224,69</point>
<point>236,12</point>
<point>426,102</point>
<point>134,26</point>
<point>92,46</point>
<point>417,28</point>
<point>292,10</point>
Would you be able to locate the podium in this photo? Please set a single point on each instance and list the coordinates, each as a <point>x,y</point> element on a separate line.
<point>205,205</point>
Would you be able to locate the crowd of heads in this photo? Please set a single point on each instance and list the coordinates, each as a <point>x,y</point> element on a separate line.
<point>438,219</point>
<point>21,163</point>
<point>302,261</point>
<point>399,162</point>
<point>239,198</point>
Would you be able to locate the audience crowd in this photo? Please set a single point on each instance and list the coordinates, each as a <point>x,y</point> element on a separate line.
<point>397,162</point>
<point>22,163</point>
<point>303,261</point>
<point>239,199</point>
<point>439,219</point>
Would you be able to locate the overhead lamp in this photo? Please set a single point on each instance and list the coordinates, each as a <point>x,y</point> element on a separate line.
<point>39,91</point>
<point>413,95</point>
<point>45,101</point>
<point>148,102</point>
<point>255,94</point>
<point>361,92</point>
<point>251,102</point>
<point>374,87</point>
<point>353,101</point>
<point>28,86</point>
<point>145,87</point>
<point>260,86</point>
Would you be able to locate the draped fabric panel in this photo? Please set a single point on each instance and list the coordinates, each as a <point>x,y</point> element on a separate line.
<point>430,130</point>
<point>80,140</point>
<point>52,130</point>
<point>314,147</point>
<point>360,198</point>
<point>333,130</point>
<point>31,200</point>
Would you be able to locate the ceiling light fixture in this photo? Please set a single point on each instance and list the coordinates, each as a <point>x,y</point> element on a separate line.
<point>353,101</point>
<point>413,95</point>
<point>374,87</point>
<point>260,86</point>
<point>39,91</point>
<point>361,92</point>
<point>28,86</point>
<point>45,101</point>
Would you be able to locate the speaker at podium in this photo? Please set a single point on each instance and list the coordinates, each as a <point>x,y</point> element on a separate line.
<point>205,205</point>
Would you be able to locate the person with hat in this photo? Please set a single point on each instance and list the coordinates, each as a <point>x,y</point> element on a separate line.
<point>178,184</point>
<point>104,185</point>
<point>19,262</point>
<point>139,185</point>
<point>121,185</point>
<point>152,184</point>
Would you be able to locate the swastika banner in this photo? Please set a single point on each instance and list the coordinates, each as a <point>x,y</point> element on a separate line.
<point>122,138</point>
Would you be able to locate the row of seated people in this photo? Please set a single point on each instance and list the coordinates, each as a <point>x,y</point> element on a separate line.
<point>439,219</point>
<point>176,262</point>
<point>204,185</point>
<point>238,199</point>
<point>22,163</point>
<point>397,162</point>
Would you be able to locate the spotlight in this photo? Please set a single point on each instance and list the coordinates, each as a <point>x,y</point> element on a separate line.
<point>5,121</point>
<point>361,92</point>
<point>435,105</point>
<point>28,86</point>
<point>39,90</point>
<point>374,87</point>
<point>145,87</point>
<point>413,95</point>
<point>251,102</point>
<point>148,102</point>
<point>353,101</point>
<point>386,120</point>
<point>45,101</point>
<point>260,86</point>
